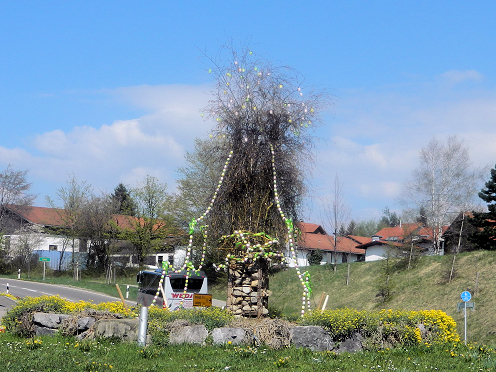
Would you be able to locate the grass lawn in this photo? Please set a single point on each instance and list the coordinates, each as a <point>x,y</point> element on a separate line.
<point>66,354</point>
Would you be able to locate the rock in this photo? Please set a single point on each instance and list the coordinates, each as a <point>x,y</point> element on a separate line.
<point>43,331</point>
<point>235,335</point>
<point>125,329</point>
<point>238,300</point>
<point>423,330</point>
<point>85,323</point>
<point>312,337</point>
<point>49,320</point>
<point>246,289</point>
<point>190,335</point>
<point>351,344</point>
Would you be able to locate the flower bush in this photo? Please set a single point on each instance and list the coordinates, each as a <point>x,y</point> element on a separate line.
<point>159,319</point>
<point>387,326</point>
<point>19,319</point>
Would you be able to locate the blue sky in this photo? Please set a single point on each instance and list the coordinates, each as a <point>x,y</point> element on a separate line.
<point>111,91</point>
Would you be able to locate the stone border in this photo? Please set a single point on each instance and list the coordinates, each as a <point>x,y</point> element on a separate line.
<point>314,338</point>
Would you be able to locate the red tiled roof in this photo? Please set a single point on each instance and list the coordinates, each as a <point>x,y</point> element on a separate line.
<point>40,215</point>
<point>306,227</point>
<point>58,217</point>
<point>398,231</point>
<point>379,242</point>
<point>345,244</point>
<point>360,239</point>
<point>403,231</point>
<point>313,236</point>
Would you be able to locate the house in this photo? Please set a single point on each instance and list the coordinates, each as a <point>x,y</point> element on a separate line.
<point>455,237</point>
<point>313,237</point>
<point>416,234</point>
<point>42,229</point>
<point>35,228</point>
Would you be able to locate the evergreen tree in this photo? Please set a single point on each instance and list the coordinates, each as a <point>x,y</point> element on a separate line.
<point>484,236</point>
<point>124,201</point>
<point>422,217</point>
<point>389,219</point>
<point>351,228</point>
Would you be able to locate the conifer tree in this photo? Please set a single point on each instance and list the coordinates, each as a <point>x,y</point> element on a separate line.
<point>484,236</point>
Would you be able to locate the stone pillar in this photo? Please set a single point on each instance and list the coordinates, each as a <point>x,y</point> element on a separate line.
<point>248,288</point>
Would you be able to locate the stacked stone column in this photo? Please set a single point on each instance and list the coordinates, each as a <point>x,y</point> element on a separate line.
<point>248,288</point>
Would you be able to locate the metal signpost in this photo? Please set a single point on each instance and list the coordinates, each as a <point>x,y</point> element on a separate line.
<point>44,260</point>
<point>465,296</point>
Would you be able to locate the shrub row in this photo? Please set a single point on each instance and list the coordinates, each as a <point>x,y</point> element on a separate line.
<point>397,326</point>
<point>384,326</point>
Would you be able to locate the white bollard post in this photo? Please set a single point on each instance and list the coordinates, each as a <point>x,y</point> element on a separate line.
<point>143,324</point>
<point>19,274</point>
<point>127,291</point>
<point>7,288</point>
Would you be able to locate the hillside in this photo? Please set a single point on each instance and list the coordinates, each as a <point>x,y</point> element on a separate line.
<point>422,287</point>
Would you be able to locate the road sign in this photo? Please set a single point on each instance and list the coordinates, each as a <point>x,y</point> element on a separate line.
<point>202,300</point>
<point>45,259</point>
<point>466,296</point>
<point>469,305</point>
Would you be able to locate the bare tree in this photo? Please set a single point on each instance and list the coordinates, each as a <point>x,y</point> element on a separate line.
<point>153,223</point>
<point>74,197</point>
<point>14,190</point>
<point>95,225</point>
<point>445,182</point>
<point>336,211</point>
<point>27,238</point>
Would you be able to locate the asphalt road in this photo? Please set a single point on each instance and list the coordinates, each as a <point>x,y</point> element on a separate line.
<point>20,288</point>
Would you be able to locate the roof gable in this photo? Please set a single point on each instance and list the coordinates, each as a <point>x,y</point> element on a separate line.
<point>40,215</point>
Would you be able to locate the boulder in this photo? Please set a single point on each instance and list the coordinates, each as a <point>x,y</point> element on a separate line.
<point>124,329</point>
<point>312,337</point>
<point>352,344</point>
<point>43,331</point>
<point>225,335</point>
<point>53,321</point>
<point>85,323</point>
<point>189,335</point>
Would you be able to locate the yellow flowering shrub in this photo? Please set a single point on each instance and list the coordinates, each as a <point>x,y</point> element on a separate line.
<point>18,319</point>
<point>158,319</point>
<point>396,326</point>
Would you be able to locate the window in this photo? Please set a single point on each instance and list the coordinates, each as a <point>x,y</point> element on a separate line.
<point>52,247</point>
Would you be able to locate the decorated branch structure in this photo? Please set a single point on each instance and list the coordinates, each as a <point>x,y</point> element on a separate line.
<point>263,119</point>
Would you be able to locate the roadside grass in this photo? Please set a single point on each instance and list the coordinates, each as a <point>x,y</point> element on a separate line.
<point>424,287</point>
<point>67,354</point>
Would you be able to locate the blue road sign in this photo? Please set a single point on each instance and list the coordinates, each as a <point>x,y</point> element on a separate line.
<point>466,296</point>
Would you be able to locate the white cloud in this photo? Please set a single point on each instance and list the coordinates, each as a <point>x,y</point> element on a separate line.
<point>376,135</point>
<point>457,76</point>
<point>126,150</point>
<point>372,142</point>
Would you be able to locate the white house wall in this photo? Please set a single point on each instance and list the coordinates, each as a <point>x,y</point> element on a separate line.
<point>42,242</point>
<point>375,253</point>
<point>301,257</point>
